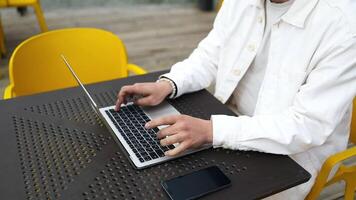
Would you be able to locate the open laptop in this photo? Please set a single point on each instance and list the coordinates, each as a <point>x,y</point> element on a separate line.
<point>127,127</point>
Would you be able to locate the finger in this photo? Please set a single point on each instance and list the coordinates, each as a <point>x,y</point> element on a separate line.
<point>169,120</point>
<point>170,130</point>
<point>177,138</point>
<point>145,101</point>
<point>139,89</point>
<point>118,104</point>
<point>121,96</point>
<point>178,150</point>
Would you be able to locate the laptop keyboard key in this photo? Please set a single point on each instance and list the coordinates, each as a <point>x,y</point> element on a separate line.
<point>147,158</point>
<point>153,155</point>
<point>130,122</point>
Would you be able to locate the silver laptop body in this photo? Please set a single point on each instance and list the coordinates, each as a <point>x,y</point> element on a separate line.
<point>164,109</point>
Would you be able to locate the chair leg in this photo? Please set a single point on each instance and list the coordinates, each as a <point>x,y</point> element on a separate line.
<point>40,17</point>
<point>350,189</point>
<point>2,40</point>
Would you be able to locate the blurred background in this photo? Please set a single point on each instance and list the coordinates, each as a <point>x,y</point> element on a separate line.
<point>157,33</point>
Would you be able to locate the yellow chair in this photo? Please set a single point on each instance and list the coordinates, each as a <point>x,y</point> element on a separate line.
<point>3,3</point>
<point>219,4</point>
<point>344,173</point>
<point>36,6</point>
<point>18,3</point>
<point>96,55</point>
<point>2,40</point>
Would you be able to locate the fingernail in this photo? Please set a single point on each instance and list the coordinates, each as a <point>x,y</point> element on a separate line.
<point>147,125</point>
<point>166,153</point>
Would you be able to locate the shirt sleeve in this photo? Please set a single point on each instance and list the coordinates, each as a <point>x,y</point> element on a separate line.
<point>318,108</point>
<point>200,69</point>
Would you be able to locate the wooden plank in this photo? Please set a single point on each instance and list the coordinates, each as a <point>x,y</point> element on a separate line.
<point>156,37</point>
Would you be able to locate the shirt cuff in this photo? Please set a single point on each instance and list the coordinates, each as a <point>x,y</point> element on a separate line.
<point>177,80</point>
<point>173,85</point>
<point>227,132</point>
<point>219,133</point>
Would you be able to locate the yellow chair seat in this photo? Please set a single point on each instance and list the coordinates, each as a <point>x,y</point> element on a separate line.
<point>96,55</point>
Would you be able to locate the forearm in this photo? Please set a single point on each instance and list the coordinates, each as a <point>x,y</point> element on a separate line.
<point>284,133</point>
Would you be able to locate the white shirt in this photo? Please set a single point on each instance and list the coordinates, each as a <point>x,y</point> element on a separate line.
<point>244,98</point>
<point>304,105</point>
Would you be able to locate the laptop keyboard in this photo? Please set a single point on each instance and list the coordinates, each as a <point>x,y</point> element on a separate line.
<point>130,121</point>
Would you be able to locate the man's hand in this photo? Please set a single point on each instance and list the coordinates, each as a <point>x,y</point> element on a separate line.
<point>188,131</point>
<point>153,93</point>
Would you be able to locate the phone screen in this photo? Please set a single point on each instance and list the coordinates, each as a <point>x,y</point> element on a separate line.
<point>196,184</point>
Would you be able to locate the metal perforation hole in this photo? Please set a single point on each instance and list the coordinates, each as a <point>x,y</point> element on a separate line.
<point>119,180</point>
<point>51,155</point>
<point>76,109</point>
<point>107,98</point>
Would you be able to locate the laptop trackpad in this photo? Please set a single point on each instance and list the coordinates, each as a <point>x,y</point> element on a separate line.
<point>161,110</point>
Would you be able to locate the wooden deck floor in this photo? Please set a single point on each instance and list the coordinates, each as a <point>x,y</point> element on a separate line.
<point>156,37</point>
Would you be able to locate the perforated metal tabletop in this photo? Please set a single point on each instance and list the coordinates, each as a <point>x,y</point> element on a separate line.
<point>53,146</point>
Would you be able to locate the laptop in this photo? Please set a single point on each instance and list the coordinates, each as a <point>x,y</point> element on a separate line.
<point>127,127</point>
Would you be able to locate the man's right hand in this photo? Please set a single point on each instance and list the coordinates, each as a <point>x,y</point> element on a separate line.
<point>152,93</point>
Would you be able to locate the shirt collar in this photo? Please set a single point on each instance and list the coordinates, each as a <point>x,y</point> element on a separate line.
<point>298,12</point>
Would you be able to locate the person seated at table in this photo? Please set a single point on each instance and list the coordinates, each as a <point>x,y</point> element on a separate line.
<point>286,67</point>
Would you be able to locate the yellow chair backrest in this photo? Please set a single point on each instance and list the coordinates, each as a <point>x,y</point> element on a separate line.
<point>36,65</point>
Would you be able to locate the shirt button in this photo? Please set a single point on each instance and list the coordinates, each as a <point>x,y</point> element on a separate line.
<point>260,19</point>
<point>237,72</point>
<point>276,26</point>
<point>251,47</point>
<point>220,99</point>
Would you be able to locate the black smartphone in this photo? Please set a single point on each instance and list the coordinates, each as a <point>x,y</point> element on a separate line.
<point>196,184</point>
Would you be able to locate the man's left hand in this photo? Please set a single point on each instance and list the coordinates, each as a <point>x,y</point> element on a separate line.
<point>188,131</point>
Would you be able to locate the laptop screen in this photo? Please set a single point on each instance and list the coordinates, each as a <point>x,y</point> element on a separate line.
<point>80,83</point>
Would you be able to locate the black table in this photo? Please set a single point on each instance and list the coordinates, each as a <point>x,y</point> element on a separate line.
<point>52,146</point>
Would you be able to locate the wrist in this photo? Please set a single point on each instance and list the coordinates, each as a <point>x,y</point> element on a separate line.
<point>172,89</point>
<point>209,131</point>
<point>166,87</point>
